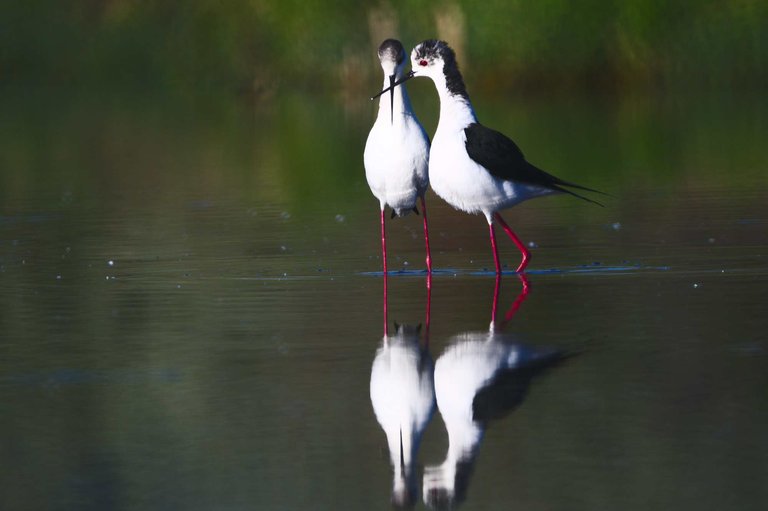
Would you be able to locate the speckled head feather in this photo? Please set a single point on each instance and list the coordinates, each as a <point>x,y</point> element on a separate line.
<point>432,49</point>
<point>392,49</point>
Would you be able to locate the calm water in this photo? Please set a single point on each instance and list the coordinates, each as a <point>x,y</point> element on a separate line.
<point>190,307</point>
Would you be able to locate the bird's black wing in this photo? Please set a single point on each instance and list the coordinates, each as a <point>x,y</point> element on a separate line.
<point>500,156</point>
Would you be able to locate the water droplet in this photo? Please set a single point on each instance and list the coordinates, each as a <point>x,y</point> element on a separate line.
<point>340,218</point>
<point>110,262</point>
<point>616,226</point>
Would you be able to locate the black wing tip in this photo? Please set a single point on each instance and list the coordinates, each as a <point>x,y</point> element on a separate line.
<point>560,188</point>
<point>559,185</point>
<point>585,188</point>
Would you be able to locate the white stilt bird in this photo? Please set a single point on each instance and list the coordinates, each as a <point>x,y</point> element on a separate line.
<point>397,150</point>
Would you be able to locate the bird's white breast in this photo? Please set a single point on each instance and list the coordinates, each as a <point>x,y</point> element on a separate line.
<point>396,161</point>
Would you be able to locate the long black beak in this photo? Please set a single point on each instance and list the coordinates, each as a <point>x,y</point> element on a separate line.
<point>395,84</point>
<point>392,99</point>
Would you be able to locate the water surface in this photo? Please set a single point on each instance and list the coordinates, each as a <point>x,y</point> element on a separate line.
<point>191,304</point>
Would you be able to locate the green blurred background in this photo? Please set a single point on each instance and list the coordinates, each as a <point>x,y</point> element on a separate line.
<point>186,231</point>
<point>257,45</point>
<point>132,97</point>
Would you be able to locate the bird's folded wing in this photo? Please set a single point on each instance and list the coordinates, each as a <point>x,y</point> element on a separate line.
<point>502,158</point>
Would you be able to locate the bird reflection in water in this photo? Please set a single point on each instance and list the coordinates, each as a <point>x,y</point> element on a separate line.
<point>480,377</point>
<point>403,398</point>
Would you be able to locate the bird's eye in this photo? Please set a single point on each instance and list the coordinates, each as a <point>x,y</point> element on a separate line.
<point>423,63</point>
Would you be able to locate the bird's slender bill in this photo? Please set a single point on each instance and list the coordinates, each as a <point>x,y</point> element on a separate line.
<point>392,99</point>
<point>395,84</point>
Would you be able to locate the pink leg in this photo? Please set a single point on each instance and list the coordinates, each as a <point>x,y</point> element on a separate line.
<point>495,249</point>
<point>384,261</point>
<point>516,241</point>
<point>383,243</point>
<point>426,236</point>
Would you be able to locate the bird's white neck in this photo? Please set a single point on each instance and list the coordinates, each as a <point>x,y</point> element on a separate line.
<point>400,104</point>
<point>455,109</point>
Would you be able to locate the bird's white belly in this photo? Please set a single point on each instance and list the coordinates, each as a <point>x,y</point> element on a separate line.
<point>396,164</point>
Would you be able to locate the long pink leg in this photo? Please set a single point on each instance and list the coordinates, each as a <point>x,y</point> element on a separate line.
<point>516,241</point>
<point>426,236</point>
<point>384,260</point>
<point>383,243</point>
<point>495,248</point>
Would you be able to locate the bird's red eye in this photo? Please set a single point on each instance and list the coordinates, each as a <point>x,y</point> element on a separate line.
<point>423,63</point>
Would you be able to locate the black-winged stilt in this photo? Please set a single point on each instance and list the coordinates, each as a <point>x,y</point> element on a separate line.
<point>474,168</point>
<point>397,150</point>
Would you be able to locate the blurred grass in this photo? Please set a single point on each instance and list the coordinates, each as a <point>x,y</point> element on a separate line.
<point>140,97</point>
<point>259,45</point>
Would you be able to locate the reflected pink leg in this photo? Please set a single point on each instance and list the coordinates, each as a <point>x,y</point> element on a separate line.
<point>516,241</point>
<point>383,243</point>
<point>495,249</point>
<point>426,237</point>
<point>429,309</point>
<point>386,328</point>
<point>520,298</point>
<point>496,287</point>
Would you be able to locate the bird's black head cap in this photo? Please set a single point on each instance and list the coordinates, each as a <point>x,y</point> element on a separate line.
<point>432,49</point>
<point>392,49</point>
